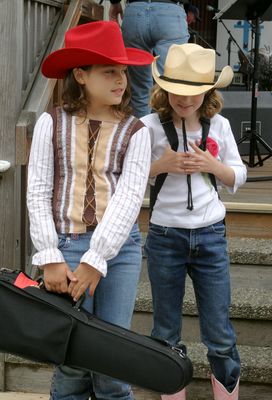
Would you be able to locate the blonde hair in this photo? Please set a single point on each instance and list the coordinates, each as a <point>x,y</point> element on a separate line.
<point>212,103</point>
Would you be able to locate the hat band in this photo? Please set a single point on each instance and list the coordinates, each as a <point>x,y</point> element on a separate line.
<point>165,78</point>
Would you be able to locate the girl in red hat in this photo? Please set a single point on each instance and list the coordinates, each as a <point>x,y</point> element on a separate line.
<point>88,169</point>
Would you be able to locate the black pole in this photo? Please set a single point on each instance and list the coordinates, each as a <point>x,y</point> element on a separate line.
<point>254,98</point>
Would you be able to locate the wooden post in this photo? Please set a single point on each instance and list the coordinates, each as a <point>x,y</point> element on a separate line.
<point>10,88</point>
<point>91,11</point>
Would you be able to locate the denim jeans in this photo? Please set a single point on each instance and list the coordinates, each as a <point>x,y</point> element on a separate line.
<point>153,27</point>
<point>113,301</point>
<point>202,253</point>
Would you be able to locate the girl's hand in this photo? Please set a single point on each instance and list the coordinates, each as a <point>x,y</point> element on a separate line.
<point>87,277</point>
<point>200,161</point>
<point>170,162</point>
<point>57,277</point>
<point>203,161</point>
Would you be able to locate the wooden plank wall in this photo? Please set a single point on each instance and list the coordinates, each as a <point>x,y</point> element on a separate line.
<point>10,88</point>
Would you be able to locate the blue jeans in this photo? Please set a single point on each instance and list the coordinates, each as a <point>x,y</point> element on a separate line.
<point>202,253</point>
<point>113,301</point>
<point>153,27</point>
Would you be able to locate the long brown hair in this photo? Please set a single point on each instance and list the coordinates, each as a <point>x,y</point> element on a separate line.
<point>212,104</point>
<point>74,97</point>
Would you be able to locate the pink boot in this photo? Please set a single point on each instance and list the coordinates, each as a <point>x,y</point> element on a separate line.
<point>221,393</point>
<point>176,396</point>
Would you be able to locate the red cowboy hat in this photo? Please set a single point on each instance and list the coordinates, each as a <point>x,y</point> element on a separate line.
<point>93,43</point>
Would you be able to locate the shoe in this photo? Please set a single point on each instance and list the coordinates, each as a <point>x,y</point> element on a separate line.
<point>221,393</point>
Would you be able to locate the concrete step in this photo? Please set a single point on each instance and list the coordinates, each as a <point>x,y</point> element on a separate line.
<point>197,390</point>
<point>250,311</point>
<point>251,251</point>
<point>27,376</point>
<point>251,314</point>
<point>201,390</point>
<point>22,396</point>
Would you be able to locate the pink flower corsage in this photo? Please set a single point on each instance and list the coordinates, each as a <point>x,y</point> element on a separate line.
<point>212,147</point>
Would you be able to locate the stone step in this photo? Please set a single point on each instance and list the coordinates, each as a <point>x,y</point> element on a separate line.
<point>27,376</point>
<point>250,311</point>
<point>246,250</point>
<point>197,390</point>
<point>201,390</point>
<point>251,293</point>
<point>22,396</point>
<point>250,251</point>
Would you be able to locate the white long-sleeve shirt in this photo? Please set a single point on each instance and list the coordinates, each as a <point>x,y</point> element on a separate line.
<point>119,186</point>
<point>170,209</point>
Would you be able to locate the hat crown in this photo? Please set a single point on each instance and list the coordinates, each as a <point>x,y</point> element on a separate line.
<point>100,37</point>
<point>190,62</point>
<point>93,43</point>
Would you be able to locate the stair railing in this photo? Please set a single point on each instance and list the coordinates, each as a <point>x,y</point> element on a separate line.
<point>38,94</point>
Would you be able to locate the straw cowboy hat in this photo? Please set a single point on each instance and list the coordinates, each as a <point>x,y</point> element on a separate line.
<point>189,70</point>
<point>93,43</point>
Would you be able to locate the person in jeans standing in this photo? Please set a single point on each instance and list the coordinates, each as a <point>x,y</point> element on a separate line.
<point>186,233</point>
<point>88,169</point>
<point>152,26</point>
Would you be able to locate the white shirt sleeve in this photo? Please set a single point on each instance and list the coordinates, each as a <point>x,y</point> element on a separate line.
<point>40,193</point>
<point>124,206</point>
<point>230,156</point>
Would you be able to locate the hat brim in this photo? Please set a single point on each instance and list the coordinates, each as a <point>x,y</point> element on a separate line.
<point>58,63</point>
<point>183,89</point>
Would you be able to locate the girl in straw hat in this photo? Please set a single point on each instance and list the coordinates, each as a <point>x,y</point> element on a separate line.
<point>187,232</point>
<point>88,169</point>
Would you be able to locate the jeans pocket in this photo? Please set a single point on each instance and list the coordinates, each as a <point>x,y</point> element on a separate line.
<point>64,241</point>
<point>157,230</point>
<point>219,228</point>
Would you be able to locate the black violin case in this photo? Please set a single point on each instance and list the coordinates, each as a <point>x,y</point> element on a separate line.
<point>48,327</point>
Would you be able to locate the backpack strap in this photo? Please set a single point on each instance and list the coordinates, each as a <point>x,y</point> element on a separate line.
<point>205,123</point>
<point>172,137</point>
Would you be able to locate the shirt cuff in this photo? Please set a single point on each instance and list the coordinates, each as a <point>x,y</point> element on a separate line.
<point>96,261</point>
<point>47,256</point>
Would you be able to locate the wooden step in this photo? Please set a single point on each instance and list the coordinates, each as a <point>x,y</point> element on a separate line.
<point>242,220</point>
